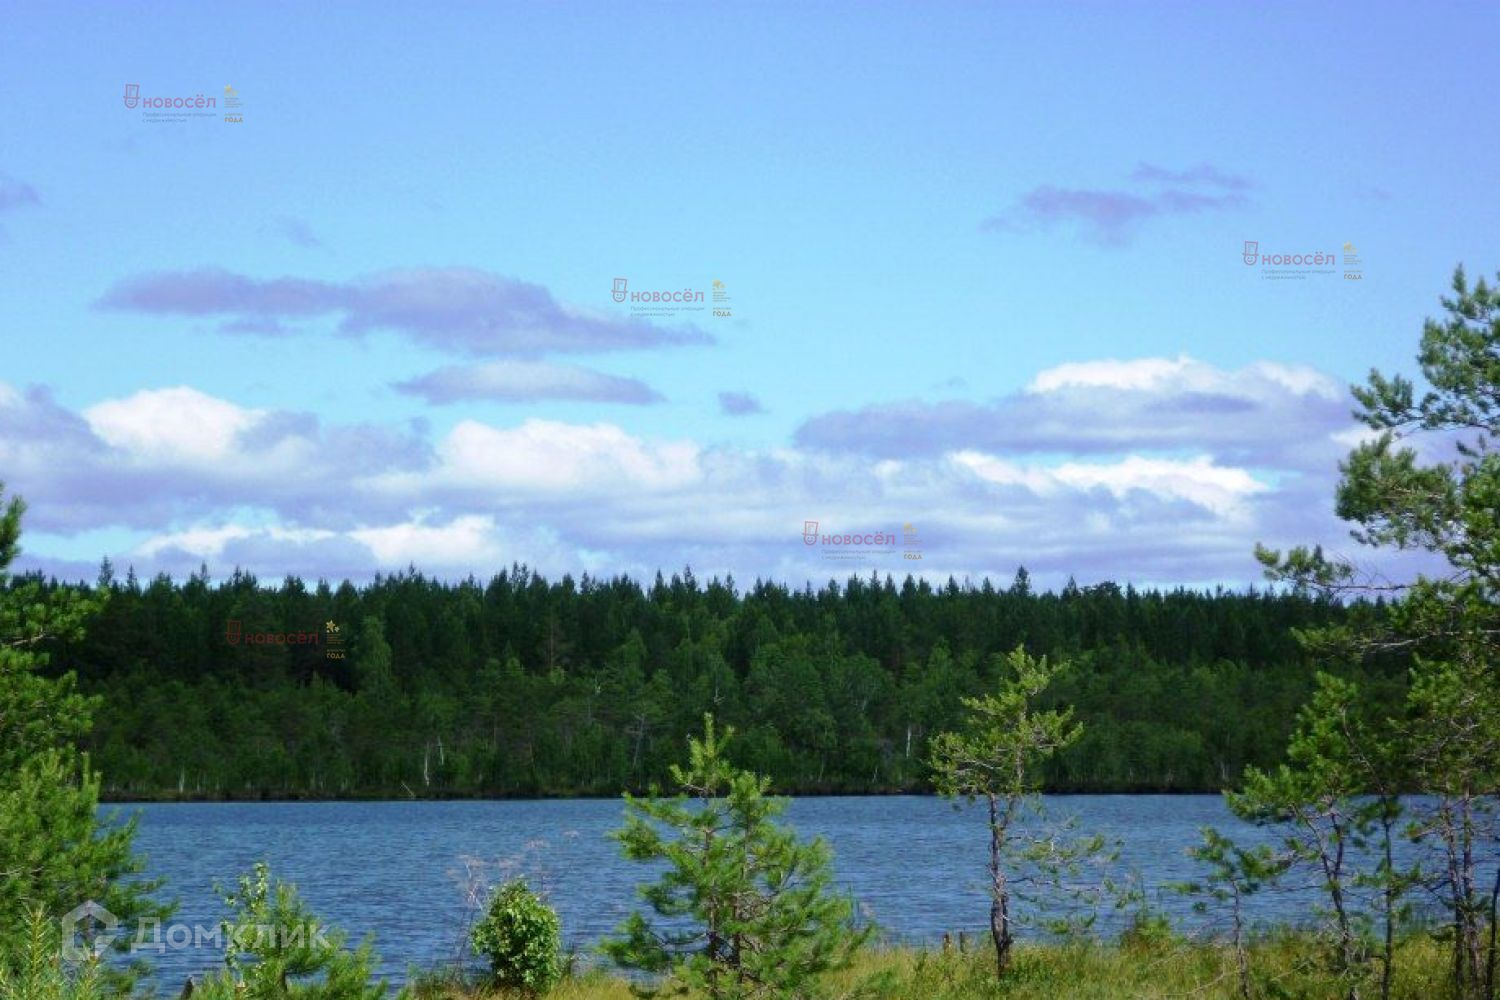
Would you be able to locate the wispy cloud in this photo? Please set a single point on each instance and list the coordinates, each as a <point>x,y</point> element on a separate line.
<point>295,231</point>
<point>1112,217</point>
<point>16,194</point>
<point>457,309</point>
<point>1203,174</point>
<point>739,404</point>
<point>526,381</point>
<point>214,292</point>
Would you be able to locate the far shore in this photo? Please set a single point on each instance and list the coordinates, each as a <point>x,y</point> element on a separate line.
<point>174,798</point>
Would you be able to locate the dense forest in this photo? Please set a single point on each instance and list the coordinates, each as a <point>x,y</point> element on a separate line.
<point>526,686</point>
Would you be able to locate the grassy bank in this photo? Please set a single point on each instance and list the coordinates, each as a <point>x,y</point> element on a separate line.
<point>1282,967</point>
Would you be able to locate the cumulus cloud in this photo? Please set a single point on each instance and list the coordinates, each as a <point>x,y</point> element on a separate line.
<point>459,309</point>
<point>553,457</point>
<point>464,538</point>
<point>1261,414</point>
<point>526,381</point>
<point>1156,470</point>
<point>1112,217</point>
<point>158,456</point>
<point>739,404</point>
<point>172,425</point>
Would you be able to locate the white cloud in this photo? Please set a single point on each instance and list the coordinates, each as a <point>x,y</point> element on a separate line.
<point>1141,374</point>
<point>1199,481</point>
<point>552,456</point>
<point>1299,379</point>
<point>196,541</point>
<point>1355,436</point>
<point>461,541</point>
<point>1006,473</point>
<point>1184,374</point>
<point>1263,415</point>
<point>211,541</point>
<point>172,426</point>
<point>1163,469</point>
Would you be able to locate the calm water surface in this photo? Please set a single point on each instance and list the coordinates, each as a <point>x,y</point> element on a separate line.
<point>398,870</point>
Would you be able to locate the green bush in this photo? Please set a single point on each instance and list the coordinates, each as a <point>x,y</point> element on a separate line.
<point>522,938</point>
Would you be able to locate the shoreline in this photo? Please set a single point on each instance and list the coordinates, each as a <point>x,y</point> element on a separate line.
<point>268,799</point>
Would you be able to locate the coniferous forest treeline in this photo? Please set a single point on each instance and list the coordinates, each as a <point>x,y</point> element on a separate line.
<point>526,686</point>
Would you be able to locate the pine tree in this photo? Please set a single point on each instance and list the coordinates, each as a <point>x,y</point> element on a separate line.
<point>1326,823</point>
<point>747,907</point>
<point>1430,481</point>
<point>997,757</point>
<point>55,854</point>
<point>1234,874</point>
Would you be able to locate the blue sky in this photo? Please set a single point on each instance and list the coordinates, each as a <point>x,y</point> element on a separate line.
<point>984,267</point>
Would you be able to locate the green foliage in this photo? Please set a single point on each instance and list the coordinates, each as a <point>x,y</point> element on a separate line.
<point>54,853</point>
<point>1234,874</point>
<point>997,756</point>
<point>521,936</point>
<point>1005,737</point>
<point>36,971</point>
<point>1398,496</point>
<point>275,948</point>
<point>1326,823</point>
<point>1451,741</point>
<point>526,686</point>
<point>1430,481</point>
<point>745,907</point>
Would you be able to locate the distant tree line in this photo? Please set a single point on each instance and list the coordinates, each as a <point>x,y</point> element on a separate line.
<point>525,686</point>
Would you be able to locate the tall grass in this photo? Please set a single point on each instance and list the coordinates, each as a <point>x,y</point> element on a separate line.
<point>1283,966</point>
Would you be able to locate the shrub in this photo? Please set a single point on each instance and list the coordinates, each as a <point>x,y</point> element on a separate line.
<point>522,938</point>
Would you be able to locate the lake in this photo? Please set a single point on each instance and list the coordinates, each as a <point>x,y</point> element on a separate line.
<point>399,870</point>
